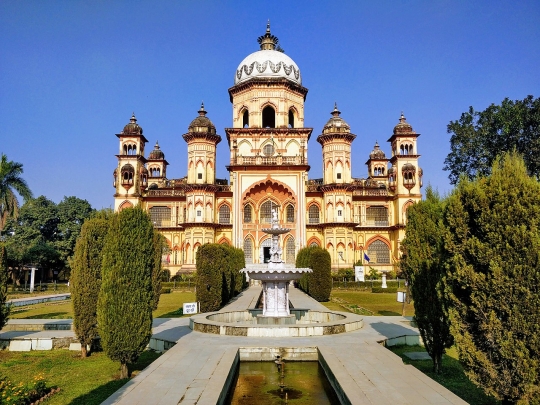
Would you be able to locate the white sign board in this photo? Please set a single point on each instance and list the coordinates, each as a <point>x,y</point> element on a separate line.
<point>359,273</point>
<point>401,296</point>
<point>190,308</point>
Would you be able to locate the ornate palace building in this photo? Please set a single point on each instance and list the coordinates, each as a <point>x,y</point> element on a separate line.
<point>268,168</point>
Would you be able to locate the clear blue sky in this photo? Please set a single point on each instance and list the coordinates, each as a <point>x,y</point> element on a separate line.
<point>72,72</point>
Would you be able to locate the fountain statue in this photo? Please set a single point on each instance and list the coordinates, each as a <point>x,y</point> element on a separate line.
<point>275,276</point>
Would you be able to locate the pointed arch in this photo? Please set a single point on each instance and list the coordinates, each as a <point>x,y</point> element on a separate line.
<point>314,241</point>
<point>125,204</point>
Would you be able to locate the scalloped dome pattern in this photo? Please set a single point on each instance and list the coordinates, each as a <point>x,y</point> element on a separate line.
<point>268,64</point>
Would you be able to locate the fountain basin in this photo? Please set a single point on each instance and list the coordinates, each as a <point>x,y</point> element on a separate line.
<point>244,323</point>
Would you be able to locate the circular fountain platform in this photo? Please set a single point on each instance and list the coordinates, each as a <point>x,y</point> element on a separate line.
<point>245,323</point>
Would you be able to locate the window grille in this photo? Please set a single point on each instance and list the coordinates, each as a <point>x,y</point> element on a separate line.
<point>313,244</point>
<point>377,216</point>
<point>379,253</point>
<point>313,214</point>
<point>160,216</point>
<point>290,251</point>
<point>268,149</point>
<point>224,214</point>
<point>247,214</point>
<point>266,212</point>
<point>248,251</point>
<point>290,213</point>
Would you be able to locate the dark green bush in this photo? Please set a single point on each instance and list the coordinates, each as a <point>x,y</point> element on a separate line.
<point>218,275</point>
<point>317,284</point>
<point>389,290</point>
<point>165,290</point>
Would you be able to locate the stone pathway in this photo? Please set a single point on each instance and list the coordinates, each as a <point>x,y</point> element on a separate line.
<point>194,371</point>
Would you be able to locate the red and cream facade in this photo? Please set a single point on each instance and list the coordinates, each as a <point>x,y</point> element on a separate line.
<point>268,169</point>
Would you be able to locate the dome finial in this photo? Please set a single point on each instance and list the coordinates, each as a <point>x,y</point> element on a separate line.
<point>402,118</point>
<point>268,41</point>
<point>133,119</point>
<point>156,145</point>
<point>201,111</point>
<point>335,112</point>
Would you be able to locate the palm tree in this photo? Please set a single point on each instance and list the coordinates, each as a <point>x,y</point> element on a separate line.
<point>11,181</point>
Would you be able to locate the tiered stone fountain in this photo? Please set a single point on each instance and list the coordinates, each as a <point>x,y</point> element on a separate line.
<point>277,319</point>
<point>275,278</point>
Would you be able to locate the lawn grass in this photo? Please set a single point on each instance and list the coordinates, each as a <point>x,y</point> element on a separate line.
<point>168,307</point>
<point>81,381</point>
<point>452,376</point>
<point>380,304</point>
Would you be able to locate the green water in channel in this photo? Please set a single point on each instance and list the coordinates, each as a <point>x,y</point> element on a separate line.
<point>258,383</point>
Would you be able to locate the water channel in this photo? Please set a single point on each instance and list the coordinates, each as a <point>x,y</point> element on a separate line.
<point>297,383</point>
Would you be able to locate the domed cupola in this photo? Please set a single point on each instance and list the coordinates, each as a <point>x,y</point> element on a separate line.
<point>132,128</point>
<point>403,127</point>
<point>202,123</point>
<point>268,62</point>
<point>156,153</point>
<point>336,123</point>
<point>377,153</point>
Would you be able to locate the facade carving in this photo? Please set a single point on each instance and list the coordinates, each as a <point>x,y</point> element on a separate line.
<point>268,172</point>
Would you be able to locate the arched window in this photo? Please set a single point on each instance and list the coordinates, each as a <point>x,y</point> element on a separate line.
<point>268,117</point>
<point>248,250</point>
<point>266,212</point>
<point>125,149</point>
<point>269,149</point>
<point>247,214</point>
<point>245,119</point>
<point>313,244</point>
<point>313,214</point>
<point>290,251</point>
<point>379,253</point>
<point>290,213</point>
<point>291,118</point>
<point>224,214</point>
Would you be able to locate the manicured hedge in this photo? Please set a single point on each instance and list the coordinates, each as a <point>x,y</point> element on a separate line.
<point>389,290</point>
<point>317,284</point>
<point>218,277</point>
<point>364,285</point>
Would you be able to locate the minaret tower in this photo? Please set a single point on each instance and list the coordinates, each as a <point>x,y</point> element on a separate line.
<point>377,164</point>
<point>131,175</point>
<point>404,177</point>
<point>157,166</point>
<point>336,140</point>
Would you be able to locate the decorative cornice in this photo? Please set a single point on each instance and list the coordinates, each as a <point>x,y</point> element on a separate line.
<point>267,82</point>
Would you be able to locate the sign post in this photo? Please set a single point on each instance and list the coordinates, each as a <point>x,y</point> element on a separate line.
<point>190,308</point>
<point>359,274</point>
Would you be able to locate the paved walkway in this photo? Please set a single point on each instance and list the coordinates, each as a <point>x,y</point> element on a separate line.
<point>193,371</point>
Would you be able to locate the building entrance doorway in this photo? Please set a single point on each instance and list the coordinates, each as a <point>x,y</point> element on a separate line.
<point>266,254</point>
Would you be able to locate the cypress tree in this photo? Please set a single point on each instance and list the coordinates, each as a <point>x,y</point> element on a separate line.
<point>4,309</point>
<point>211,280</point>
<point>320,280</point>
<point>493,279</point>
<point>127,295</point>
<point>160,246</point>
<point>86,280</point>
<point>423,263</point>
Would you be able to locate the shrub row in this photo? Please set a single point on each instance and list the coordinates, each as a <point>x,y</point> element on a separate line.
<point>318,283</point>
<point>364,285</point>
<point>218,278</point>
<point>389,290</point>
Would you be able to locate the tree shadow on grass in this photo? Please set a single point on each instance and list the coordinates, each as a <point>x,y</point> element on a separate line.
<point>50,315</point>
<point>389,313</point>
<point>101,393</point>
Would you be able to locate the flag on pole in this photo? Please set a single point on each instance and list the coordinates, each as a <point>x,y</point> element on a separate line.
<point>366,257</point>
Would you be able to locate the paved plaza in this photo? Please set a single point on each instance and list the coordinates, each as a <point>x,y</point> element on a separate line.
<point>194,370</point>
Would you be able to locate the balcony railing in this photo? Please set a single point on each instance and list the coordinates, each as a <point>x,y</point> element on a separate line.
<point>166,193</point>
<point>269,160</point>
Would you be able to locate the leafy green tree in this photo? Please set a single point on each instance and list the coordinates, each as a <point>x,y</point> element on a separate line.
<point>478,137</point>
<point>86,280</point>
<point>11,182</point>
<point>423,264</point>
<point>493,279</point>
<point>126,296</point>
<point>72,212</point>
<point>160,248</point>
<point>4,308</point>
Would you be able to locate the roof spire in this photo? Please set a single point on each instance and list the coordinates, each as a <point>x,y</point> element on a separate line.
<point>336,112</point>
<point>268,41</point>
<point>201,111</point>
<point>402,118</point>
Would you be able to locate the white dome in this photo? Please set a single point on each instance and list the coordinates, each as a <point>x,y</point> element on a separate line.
<point>267,63</point>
